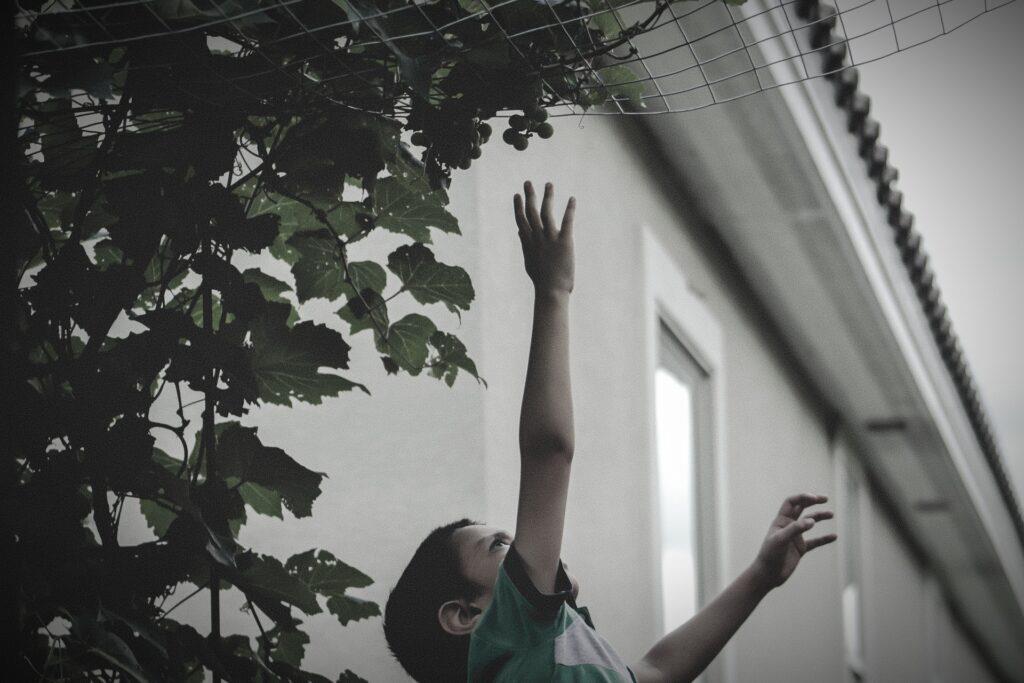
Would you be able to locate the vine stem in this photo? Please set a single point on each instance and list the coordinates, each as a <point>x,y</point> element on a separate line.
<point>384,301</point>
<point>263,168</point>
<point>185,599</point>
<point>88,194</point>
<point>263,633</point>
<point>209,448</point>
<point>181,414</point>
<point>178,432</point>
<point>343,252</point>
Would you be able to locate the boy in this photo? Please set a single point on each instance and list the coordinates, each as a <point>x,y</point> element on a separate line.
<point>475,605</point>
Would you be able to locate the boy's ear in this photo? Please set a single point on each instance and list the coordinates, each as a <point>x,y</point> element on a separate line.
<point>458,617</point>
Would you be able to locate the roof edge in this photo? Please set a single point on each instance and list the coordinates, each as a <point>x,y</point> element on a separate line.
<point>848,96</point>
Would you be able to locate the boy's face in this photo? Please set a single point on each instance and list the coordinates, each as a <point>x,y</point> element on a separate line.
<point>482,549</point>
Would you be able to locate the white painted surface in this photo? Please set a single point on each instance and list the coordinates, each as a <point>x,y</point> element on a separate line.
<point>894,606</point>
<point>418,454</point>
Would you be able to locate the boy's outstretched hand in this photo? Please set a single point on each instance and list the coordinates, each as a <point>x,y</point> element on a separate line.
<point>785,545</point>
<point>683,653</point>
<point>547,249</point>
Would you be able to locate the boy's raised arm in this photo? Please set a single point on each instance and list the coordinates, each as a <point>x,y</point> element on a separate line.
<point>546,426</point>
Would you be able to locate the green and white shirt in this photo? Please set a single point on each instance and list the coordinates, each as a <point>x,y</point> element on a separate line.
<point>525,635</point>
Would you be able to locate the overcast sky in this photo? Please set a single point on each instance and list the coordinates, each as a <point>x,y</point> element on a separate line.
<point>951,113</point>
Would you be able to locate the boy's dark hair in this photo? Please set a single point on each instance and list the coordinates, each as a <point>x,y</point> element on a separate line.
<point>434,575</point>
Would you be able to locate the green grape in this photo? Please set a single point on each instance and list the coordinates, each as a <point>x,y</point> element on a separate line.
<point>520,143</point>
<point>509,136</point>
<point>545,130</point>
<point>518,122</point>
<point>538,115</point>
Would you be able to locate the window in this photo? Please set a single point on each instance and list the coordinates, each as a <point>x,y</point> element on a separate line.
<point>684,371</point>
<point>853,573</point>
<point>680,387</point>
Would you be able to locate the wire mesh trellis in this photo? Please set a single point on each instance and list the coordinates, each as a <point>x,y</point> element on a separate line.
<point>719,51</point>
<point>437,66</point>
<point>642,56</point>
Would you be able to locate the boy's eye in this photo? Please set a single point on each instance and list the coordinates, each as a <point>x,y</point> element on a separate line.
<point>497,542</point>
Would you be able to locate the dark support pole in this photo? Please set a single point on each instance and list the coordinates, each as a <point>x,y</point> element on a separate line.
<point>209,448</point>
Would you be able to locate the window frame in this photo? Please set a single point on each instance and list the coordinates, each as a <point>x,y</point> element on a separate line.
<point>670,301</point>
<point>852,526</point>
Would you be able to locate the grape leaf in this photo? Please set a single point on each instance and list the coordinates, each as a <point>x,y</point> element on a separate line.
<point>451,355</point>
<point>293,217</point>
<point>413,174</point>
<point>158,517</point>
<point>270,286</point>
<point>286,361</point>
<point>263,500</point>
<point>365,274</point>
<point>230,225</point>
<point>365,312</point>
<point>266,576</point>
<point>348,608</point>
<point>272,290</point>
<point>407,342</point>
<point>241,454</point>
<point>318,270</point>
<point>429,281</point>
<point>290,647</point>
<point>326,574</point>
<point>401,206</point>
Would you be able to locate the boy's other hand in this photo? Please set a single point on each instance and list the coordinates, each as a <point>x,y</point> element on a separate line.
<point>547,249</point>
<point>785,545</point>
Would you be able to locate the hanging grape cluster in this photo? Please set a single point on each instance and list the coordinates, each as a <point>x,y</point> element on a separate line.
<point>521,127</point>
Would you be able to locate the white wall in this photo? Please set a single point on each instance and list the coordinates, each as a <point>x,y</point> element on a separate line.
<point>955,657</point>
<point>418,454</point>
<point>894,605</point>
<point>910,631</point>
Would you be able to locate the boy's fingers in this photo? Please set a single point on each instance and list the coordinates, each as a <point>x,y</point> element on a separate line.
<point>821,515</point>
<point>531,207</point>
<point>524,225</point>
<point>795,504</point>
<point>545,210</point>
<point>794,529</point>
<point>570,213</point>
<point>813,543</point>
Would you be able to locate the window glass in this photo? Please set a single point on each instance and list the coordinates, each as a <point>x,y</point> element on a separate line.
<point>676,476</point>
<point>853,629</point>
